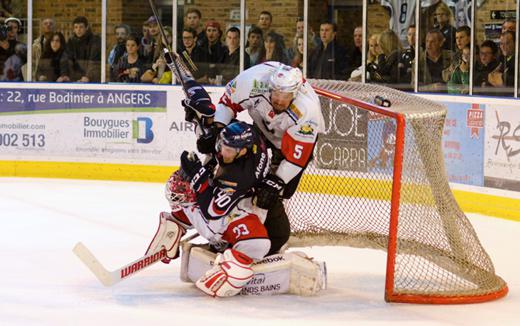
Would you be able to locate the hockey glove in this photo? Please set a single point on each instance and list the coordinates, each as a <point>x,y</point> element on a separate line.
<point>198,107</point>
<point>269,191</point>
<point>194,171</point>
<point>206,142</point>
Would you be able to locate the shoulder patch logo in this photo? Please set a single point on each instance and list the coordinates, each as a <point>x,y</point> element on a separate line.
<point>295,110</point>
<point>306,129</point>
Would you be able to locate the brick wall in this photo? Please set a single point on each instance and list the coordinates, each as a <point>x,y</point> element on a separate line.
<point>285,12</point>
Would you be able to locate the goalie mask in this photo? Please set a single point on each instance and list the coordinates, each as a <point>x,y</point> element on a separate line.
<point>178,191</point>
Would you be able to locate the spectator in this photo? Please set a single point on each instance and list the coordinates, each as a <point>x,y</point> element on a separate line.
<point>432,61</point>
<point>131,66</point>
<point>459,80</point>
<point>407,58</point>
<point>487,62</point>
<point>54,62</point>
<point>373,53</point>
<point>373,49</point>
<point>122,32</point>
<point>462,39</point>
<point>84,51</point>
<point>509,25</point>
<point>300,25</point>
<point>297,60</point>
<point>273,49</point>
<point>13,64</point>
<point>231,64</point>
<point>388,59</point>
<point>190,51</point>
<point>8,44</point>
<point>150,48</point>
<point>329,59</point>
<point>445,22</point>
<point>47,27</point>
<point>265,21</point>
<point>213,47</point>
<point>192,19</point>
<point>504,74</point>
<point>254,45</point>
<point>355,54</point>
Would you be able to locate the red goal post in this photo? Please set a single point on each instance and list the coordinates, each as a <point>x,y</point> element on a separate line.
<point>378,181</point>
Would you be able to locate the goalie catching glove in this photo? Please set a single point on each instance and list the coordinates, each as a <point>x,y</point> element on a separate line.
<point>269,191</point>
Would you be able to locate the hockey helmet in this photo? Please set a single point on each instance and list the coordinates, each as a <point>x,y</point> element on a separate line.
<point>286,79</point>
<point>237,135</point>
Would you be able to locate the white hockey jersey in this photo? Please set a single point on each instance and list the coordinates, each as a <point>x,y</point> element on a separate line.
<point>294,131</point>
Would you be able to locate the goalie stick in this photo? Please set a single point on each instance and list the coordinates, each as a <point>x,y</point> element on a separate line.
<point>109,278</point>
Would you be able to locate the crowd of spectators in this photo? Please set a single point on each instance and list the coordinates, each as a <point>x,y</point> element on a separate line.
<point>213,53</point>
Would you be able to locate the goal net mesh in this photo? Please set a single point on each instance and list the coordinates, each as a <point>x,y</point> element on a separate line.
<point>345,196</point>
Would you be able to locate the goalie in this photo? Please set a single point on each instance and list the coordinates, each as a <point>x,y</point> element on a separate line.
<point>215,199</point>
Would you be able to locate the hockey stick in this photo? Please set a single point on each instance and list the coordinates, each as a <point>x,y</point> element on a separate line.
<point>109,278</point>
<point>173,56</point>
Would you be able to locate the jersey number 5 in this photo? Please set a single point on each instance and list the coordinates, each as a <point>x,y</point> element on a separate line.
<point>298,150</point>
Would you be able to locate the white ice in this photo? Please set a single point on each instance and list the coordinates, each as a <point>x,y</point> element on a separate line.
<point>43,283</point>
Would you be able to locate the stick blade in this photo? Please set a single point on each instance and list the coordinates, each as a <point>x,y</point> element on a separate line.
<point>86,256</point>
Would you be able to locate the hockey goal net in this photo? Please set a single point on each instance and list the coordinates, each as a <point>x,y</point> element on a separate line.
<point>378,181</point>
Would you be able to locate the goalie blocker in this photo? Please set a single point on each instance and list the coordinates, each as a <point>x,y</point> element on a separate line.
<point>290,272</point>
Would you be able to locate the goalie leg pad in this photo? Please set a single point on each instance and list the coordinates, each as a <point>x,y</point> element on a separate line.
<point>168,236</point>
<point>291,272</point>
<point>232,271</point>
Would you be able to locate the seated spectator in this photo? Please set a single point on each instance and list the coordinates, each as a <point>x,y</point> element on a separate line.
<point>445,24</point>
<point>432,61</point>
<point>213,47</point>
<point>459,80</point>
<point>387,66</point>
<point>373,53</point>
<point>230,66</point>
<point>84,51</point>
<point>406,60</point>
<point>462,39</point>
<point>47,27</point>
<point>354,54</point>
<point>254,45</point>
<point>13,64</point>
<point>298,49</point>
<point>504,73</point>
<point>54,62</point>
<point>509,25</point>
<point>131,66</point>
<point>122,31</point>
<point>150,48</point>
<point>486,63</point>
<point>265,22</point>
<point>8,48</point>
<point>329,60</point>
<point>192,19</point>
<point>273,49</point>
<point>193,55</point>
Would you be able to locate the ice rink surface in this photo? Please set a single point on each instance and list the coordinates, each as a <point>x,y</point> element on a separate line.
<point>43,283</point>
